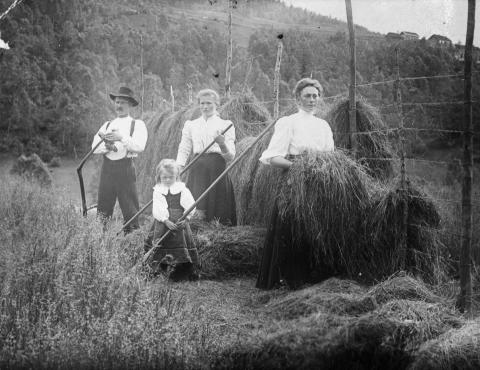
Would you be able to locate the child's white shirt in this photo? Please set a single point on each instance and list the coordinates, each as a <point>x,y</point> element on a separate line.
<point>160,206</point>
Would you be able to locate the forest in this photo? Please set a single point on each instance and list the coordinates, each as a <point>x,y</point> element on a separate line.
<point>66,56</point>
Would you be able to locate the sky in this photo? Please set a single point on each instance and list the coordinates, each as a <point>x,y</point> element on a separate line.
<point>425,17</point>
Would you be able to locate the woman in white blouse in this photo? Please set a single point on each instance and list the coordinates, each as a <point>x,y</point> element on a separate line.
<point>293,135</point>
<point>196,136</point>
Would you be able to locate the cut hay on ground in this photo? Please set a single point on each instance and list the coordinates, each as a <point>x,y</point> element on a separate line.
<point>387,337</point>
<point>227,252</point>
<point>247,114</point>
<point>373,148</point>
<point>315,300</point>
<point>402,286</point>
<point>455,349</point>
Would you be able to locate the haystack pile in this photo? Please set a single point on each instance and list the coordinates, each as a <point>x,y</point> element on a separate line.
<point>251,205</point>
<point>373,147</point>
<point>164,135</point>
<point>227,252</point>
<point>423,253</point>
<point>247,114</point>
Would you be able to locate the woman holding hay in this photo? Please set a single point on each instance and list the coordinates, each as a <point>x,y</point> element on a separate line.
<point>196,136</point>
<point>293,135</point>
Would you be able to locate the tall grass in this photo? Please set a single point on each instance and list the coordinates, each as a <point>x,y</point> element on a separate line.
<point>69,295</point>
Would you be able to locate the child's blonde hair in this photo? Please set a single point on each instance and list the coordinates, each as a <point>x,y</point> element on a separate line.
<point>166,165</point>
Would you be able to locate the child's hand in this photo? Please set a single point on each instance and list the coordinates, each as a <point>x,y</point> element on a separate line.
<point>171,226</point>
<point>180,224</point>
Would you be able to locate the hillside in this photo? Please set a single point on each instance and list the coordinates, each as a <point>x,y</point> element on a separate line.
<point>66,56</point>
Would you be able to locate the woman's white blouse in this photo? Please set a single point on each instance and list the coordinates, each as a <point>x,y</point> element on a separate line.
<point>160,205</point>
<point>199,133</point>
<point>297,133</point>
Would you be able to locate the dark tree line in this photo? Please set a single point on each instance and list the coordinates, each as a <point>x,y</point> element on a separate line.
<point>67,54</point>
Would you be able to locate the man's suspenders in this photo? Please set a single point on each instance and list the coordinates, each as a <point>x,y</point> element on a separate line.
<point>132,129</point>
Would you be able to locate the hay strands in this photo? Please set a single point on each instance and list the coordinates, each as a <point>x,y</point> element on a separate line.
<point>204,194</point>
<point>184,170</point>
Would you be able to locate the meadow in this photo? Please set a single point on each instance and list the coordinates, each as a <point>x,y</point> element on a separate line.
<point>75,297</point>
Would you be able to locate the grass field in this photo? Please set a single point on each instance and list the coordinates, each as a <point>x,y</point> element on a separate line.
<point>74,297</point>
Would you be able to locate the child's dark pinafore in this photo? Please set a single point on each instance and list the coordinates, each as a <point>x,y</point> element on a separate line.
<point>177,250</point>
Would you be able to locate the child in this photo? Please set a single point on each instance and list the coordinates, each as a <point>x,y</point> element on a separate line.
<point>171,199</point>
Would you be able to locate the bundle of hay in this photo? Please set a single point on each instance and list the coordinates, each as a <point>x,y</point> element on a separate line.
<point>250,198</point>
<point>402,286</point>
<point>423,255</point>
<point>32,168</point>
<point>325,195</point>
<point>314,299</point>
<point>228,251</point>
<point>247,114</point>
<point>455,349</point>
<point>373,148</point>
<point>164,135</point>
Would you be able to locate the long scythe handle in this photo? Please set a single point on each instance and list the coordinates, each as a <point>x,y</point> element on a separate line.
<point>80,177</point>
<point>192,162</point>
<point>204,194</point>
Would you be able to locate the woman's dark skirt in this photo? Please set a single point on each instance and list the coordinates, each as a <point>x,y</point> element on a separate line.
<point>285,255</point>
<point>220,201</point>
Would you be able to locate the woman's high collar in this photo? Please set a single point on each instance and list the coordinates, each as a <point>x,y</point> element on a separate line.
<point>206,119</point>
<point>304,112</point>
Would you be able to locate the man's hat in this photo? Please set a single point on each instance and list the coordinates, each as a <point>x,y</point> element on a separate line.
<point>125,92</point>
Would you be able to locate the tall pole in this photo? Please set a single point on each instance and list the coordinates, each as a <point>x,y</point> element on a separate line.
<point>141,72</point>
<point>228,71</point>
<point>465,299</point>
<point>172,98</point>
<point>353,82</point>
<point>403,172</point>
<point>276,81</point>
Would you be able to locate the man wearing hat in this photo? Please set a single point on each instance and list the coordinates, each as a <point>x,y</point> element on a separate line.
<point>124,137</point>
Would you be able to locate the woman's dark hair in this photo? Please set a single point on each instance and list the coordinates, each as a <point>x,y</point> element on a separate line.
<point>305,82</point>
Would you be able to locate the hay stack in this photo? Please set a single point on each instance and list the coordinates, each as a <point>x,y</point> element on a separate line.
<point>373,149</point>
<point>226,252</point>
<point>247,114</point>
<point>164,135</point>
<point>252,201</point>
<point>326,195</point>
<point>455,349</point>
<point>423,255</point>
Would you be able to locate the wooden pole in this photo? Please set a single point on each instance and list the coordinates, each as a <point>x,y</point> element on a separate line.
<point>353,83</point>
<point>228,69</point>
<point>403,172</point>
<point>276,81</point>
<point>465,298</point>
<point>172,98</point>
<point>190,93</point>
<point>142,79</point>
<point>13,5</point>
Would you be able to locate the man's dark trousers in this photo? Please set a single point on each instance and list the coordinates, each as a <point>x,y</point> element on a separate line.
<point>117,180</point>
